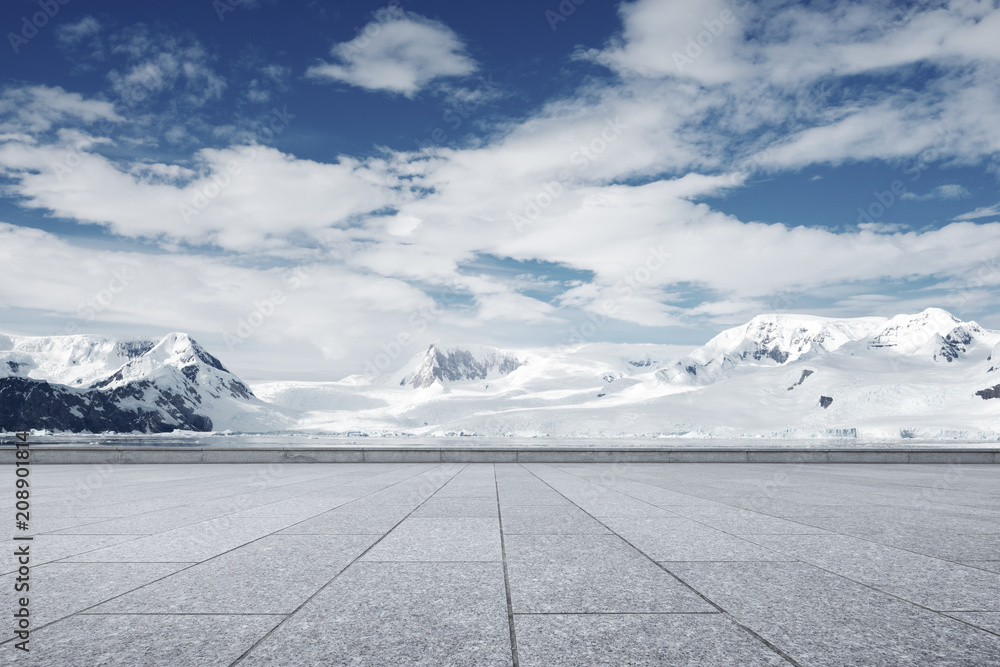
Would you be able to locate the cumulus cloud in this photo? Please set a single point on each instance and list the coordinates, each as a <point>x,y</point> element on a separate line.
<point>398,53</point>
<point>793,44</point>
<point>607,183</point>
<point>240,198</point>
<point>677,38</point>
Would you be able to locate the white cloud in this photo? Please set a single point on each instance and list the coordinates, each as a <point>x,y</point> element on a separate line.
<point>399,53</point>
<point>603,182</point>
<point>71,34</point>
<point>156,63</point>
<point>677,38</point>
<point>793,44</point>
<point>948,191</point>
<point>453,205</point>
<point>981,212</point>
<point>241,198</point>
<point>36,109</point>
<point>320,306</point>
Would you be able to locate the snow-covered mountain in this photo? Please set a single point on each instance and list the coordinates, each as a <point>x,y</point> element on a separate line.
<point>451,363</point>
<point>927,375</point>
<point>776,340</point>
<point>767,340</point>
<point>97,383</point>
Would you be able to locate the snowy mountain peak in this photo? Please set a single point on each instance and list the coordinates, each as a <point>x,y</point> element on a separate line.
<point>774,340</point>
<point>95,383</point>
<point>178,360</point>
<point>76,361</point>
<point>768,340</point>
<point>933,331</point>
<point>449,363</point>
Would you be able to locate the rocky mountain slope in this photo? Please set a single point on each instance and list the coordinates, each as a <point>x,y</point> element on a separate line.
<point>97,383</point>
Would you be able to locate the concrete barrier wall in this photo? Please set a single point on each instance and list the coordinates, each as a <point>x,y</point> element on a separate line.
<point>149,455</point>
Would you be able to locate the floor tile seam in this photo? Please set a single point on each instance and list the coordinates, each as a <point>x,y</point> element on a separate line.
<point>196,504</point>
<point>149,583</point>
<point>880,591</point>
<point>515,656</point>
<point>729,616</point>
<point>96,604</point>
<point>803,521</point>
<point>270,632</point>
<point>834,533</point>
<point>794,559</point>
<point>709,498</point>
<point>305,495</point>
<point>678,516</point>
<point>619,613</point>
<point>181,613</point>
<point>967,622</point>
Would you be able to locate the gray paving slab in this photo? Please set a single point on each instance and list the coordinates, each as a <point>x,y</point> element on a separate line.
<point>144,641</point>
<point>43,523</point>
<point>579,598</point>
<point>549,520</point>
<point>681,539</point>
<point>377,614</point>
<point>193,543</point>
<point>590,574</point>
<point>514,496</point>
<point>991,565</point>
<point>620,505</point>
<point>58,590</point>
<point>146,523</point>
<point>298,508</point>
<point>930,582</point>
<point>745,522</point>
<point>440,539</point>
<point>358,518</point>
<point>273,575</point>
<point>986,620</point>
<point>48,548</point>
<point>638,640</point>
<point>954,547</point>
<point>879,522</point>
<point>819,618</point>
<point>458,506</point>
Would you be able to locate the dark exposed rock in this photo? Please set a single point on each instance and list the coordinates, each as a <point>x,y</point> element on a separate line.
<point>133,349</point>
<point>457,365</point>
<point>989,392</point>
<point>778,355</point>
<point>954,345</point>
<point>805,374</point>
<point>825,401</point>
<point>36,404</point>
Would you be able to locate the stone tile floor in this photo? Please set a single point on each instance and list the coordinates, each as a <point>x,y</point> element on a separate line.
<point>509,564</point>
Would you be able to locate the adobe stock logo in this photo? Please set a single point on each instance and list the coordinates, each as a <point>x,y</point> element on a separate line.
<point>697,44</point>
<point>31,26</point>
<point>883,202</point>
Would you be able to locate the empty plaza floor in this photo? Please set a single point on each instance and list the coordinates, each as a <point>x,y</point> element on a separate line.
<point>507,564</point>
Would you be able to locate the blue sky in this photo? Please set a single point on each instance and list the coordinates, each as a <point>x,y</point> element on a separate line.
<point>303,186</point>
